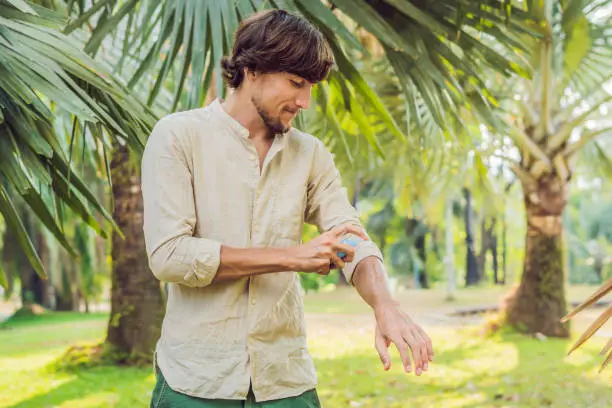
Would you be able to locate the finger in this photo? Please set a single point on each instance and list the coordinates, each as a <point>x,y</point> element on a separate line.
<point>428,344</point>
<point>415,346</point>
<point>336,260</point>
<point>404,351</point>
<point>419,335</point>
<point>381,346</point>
<point>348,251</point>
<point>324,267</point>
<point>349,229</point>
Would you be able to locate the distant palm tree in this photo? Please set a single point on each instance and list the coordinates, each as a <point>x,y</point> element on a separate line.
<point>556,116</point>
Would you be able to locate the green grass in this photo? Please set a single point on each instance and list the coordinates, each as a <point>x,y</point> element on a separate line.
<point>506,370</point>
<point>343,300</point>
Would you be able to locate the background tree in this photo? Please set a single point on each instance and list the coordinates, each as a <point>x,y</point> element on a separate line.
<point>554,116</point>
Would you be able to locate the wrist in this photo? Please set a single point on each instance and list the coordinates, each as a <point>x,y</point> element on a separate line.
<point>288,259</point>
<point>381,305</point>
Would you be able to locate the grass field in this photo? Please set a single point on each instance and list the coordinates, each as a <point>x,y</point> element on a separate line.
<point>470,370</point>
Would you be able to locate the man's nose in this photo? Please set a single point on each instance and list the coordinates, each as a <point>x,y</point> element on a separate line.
<point>303,98</point>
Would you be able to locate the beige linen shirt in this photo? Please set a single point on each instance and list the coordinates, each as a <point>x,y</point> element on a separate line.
<point>202,188</point>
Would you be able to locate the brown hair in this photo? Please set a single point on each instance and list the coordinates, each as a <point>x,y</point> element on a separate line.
<point>277,41</point>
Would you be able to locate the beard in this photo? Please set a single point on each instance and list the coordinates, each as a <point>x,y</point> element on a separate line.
<point>273,124</point>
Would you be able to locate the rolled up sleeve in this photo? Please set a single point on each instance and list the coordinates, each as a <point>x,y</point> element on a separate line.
<point>175,254</point>
<point>328,206</point>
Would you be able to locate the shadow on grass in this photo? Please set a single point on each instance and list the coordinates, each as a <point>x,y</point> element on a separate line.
<point>508,370</point>
<point>24,336</point>
<point>99,387</point>
<point>545,376</point>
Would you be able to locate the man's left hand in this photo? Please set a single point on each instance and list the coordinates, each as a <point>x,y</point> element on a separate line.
<point>394,326</point>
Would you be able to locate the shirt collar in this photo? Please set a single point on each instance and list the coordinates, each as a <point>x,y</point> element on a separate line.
<point>237,128</point>
<point>228,119</point>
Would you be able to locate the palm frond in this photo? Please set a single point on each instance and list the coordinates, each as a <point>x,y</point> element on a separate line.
<point>587,49</point>
<point>604,290</point>
<point>43,72</point>
<point>437,39</point>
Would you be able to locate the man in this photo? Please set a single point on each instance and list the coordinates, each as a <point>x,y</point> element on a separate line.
<point>226,191</point>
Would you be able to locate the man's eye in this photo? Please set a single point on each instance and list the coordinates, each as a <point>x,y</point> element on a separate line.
<point>296,84</point>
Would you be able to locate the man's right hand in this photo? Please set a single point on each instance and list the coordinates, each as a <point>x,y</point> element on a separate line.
<point>319,254</point>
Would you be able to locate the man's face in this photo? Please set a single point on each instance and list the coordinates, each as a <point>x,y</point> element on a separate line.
<point>278,97</point>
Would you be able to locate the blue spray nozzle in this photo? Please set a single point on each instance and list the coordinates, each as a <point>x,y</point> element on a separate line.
<point>350,241</point>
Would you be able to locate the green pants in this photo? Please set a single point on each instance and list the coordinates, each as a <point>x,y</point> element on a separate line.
<point>164,397</point>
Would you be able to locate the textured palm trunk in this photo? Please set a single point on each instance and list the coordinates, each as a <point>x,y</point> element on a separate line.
<point>137,304</point>
<point>471,270</point>
<point>413,228</point>
<point>481,259</point>
<point>34,290</point>
<point>449,258</point>
<point>67,296</point>
<point>488,242</point>
<point>539,302</point>
<point>421,247</point>
<point>504,252</point>
<point>494,253</point>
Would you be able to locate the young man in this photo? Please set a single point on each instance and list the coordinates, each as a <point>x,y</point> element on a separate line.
<point>226,191</point>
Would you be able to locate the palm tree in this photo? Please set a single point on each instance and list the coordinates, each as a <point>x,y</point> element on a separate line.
<point>44,76</point>
<point>556,117</point>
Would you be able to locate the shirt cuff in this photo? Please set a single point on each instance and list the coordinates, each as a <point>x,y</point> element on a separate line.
<point>363,250</point>
<point>204,263</point>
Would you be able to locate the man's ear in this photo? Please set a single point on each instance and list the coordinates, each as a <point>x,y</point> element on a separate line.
<point>249,73</point>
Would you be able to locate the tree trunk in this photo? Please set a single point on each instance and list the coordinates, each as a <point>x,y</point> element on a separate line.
<point>488,242</point>
<point>34,290</point>
<point>137,303</point>
<point>504,250</point>
<point>471,274</point>
<point>494,251</point>
<point>66,298</point>
<point>481,260</point>
<point>450,251</point>
<point>420,245</point>
<point>539,302</point>
<point>598,266</point>
<point>416,229</point>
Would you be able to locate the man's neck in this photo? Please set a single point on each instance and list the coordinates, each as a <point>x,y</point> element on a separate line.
<point>241,108</point>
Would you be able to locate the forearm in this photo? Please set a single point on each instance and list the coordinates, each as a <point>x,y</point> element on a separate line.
<point>370,280</point>
<point>237,263</point>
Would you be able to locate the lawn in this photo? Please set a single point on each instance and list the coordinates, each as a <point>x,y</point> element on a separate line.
<point>470,370</point>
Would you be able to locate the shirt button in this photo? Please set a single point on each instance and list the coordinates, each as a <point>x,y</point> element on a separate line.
<point>253,301</point>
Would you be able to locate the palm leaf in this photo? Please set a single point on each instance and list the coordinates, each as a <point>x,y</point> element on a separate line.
<point>39,64</point>
<point>197,34</point>
<point>604,290</point>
